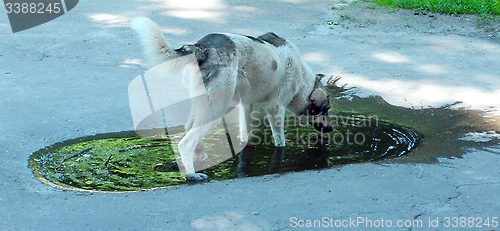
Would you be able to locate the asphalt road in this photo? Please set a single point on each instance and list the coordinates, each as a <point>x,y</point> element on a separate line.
<point>68,78</point>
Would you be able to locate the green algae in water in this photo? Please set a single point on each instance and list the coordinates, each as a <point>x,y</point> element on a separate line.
<point>126,162</point>
<point>108,164</point>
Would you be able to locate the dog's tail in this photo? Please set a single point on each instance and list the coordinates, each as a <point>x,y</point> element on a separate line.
<point>154,43</point>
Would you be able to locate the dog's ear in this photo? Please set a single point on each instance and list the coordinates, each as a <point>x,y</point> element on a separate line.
<point>320,76</point>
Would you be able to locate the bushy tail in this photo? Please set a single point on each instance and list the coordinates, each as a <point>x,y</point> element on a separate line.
<point>155,45</point>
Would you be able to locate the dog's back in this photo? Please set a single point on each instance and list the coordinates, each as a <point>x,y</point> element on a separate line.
<point>269,59</point>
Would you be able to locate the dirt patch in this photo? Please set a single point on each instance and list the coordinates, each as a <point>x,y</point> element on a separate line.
<point>356,15</point>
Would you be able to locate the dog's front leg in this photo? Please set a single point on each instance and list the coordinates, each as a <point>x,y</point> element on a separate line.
<point>244,119</point>
<point>276,117</point>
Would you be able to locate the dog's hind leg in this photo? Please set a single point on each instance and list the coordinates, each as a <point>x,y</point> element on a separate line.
<point>200,152</point>
<point>191,143</point>
<point>206,113</point>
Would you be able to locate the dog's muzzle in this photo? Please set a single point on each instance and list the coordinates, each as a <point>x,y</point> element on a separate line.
<point>318,117</point>
<point>317,109</point>
<point>321,123</point>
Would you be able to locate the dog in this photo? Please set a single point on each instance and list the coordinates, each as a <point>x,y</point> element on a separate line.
<point>267,69</point>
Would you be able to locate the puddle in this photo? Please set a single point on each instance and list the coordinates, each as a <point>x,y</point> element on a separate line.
<point>449,131</point>
<point>366,129</point>
<point>125,162</point>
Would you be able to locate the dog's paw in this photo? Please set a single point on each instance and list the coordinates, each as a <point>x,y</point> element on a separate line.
<point>196,176</point>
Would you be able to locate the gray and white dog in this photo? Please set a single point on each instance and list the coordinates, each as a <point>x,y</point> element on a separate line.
<point>267,69</point>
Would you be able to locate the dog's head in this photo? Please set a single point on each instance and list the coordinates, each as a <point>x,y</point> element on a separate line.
<point>318,106</point>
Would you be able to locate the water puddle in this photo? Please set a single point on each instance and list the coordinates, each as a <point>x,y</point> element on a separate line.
<point>366,129</point>
<point>449,131</point>
<point>126,162</point>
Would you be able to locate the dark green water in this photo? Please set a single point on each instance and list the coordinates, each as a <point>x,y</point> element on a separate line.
<point>126,162</point>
